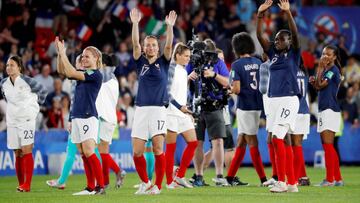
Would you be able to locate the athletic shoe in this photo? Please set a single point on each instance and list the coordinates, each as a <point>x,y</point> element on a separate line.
<point>304,181</point>
<point>325,183</point>
<point>120,178</point>
<point>143,188</point>
<point>23,188</point>
<point>220,182</point>
<point>279,187</point>
<point>173,185</point>
<point>175,170</point>
<point>339,183</point>
<point>182,181</point>
<point>154,190</point>
<point>99,191</point>
<point>235,181</point>
<point>192,179</point>
<point>55,184</point>
<point>269,182</point>
<point>86,191</point>
<point>292,188</point>
<point>199,183</point>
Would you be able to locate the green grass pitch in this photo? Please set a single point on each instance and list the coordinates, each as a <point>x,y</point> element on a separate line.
<point>42,193</point>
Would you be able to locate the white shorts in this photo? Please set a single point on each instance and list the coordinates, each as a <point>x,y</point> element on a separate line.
<point>282,115</point>
<point>106,130</point>
<point>21,135</point>
<point>248,121</point>
<point>149,121</point>
<point>329,120</point>
<point>179,124</point>
<point>266,110</point>
<point>83,129</point>
<point>226,114</point>
<point>302,125</point>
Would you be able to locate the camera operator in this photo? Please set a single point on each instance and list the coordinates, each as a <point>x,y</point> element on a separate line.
<point>210,76</point>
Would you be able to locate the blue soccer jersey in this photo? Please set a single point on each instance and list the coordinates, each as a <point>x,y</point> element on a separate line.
<point>246,70</point>
<point>327,95</point>
<point>85,96</point>
<point>283,71</point>
<point>303,82</point>
<point>153,80</point>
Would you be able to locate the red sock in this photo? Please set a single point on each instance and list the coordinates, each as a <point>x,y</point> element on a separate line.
<point>236,161</point>
<point>186,158</point>
<point>28,167</point>
<point>329,161</point>
<point>105,167</point>
<point>159,169</point>
<point>337,173</point>
<point>279,148</point>
<point>290,165</point>
<point>96,168</point>
<point>272,159</point>
<point>257,162</point>
<point>169,157</point>
<point>113,165</point>
<point>19,169</point>
<point>90,178</point>
<point>140,165</point>
<point>299,163</point>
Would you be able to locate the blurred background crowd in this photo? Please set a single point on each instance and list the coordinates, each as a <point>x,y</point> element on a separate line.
<point>28,27</point>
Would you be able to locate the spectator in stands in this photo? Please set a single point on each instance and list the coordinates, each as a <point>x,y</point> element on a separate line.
<point>58,92</point>
<point>55,118</point>
<point>65,109</point>
<point>352,70</point>
<point>349,108</point>
<point>45,78</point>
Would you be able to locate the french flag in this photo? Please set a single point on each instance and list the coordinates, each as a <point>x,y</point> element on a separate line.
<point>44,20</point>
<point>119,11</point>
<point>84,32</point>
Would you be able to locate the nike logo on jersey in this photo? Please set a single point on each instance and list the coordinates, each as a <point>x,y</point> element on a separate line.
<point>144,69</point>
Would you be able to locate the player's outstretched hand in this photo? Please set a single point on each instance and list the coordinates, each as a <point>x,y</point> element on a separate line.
<point>135,15</point>
<point>284,5</point>
<point>263,7</point>
<point>171,18</point>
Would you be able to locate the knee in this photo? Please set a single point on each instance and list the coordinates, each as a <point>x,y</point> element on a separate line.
<point>217,142</point>
<point>138,153</point>
<point>158,149</point>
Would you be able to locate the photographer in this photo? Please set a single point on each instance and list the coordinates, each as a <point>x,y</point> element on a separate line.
<point>210,75</point>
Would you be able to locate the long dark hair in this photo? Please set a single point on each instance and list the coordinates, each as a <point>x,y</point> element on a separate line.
<point>336,53</point>
<point>19,62</point>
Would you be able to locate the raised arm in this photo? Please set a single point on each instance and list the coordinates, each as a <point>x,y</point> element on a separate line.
<point>59,66</point>
<point>259,31</point>
<point>135,17</point>
<point>67,69</point>
<point>170,22</point>
<point>285,6</point>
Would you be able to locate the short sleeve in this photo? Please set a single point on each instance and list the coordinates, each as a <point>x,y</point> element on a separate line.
<point>235,72</point>
<point>329,75</point>
<point>222,69</point>
<point>93,75</point>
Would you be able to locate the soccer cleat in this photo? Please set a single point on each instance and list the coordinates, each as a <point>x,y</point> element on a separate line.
<point>86,191</point>
<point>304,181</point>
<point>199,182</point>
<point>269,182</point>
<point>279,187</point>
<point>55,184</point>
<point>325,183</point>
<point>23,188</point>
<point>120,178</point>
<point>154,190</point>
<point>192,179</point>
<point>99,191</point>
<point>292,188</point>
<point>220,182</point>
<point>182,181</point>
<point>339,183</point>
<point>173,185</point>
<point>143,187</point>
<point>235,181</point>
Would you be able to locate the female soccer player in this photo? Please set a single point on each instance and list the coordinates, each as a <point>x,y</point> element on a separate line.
<point>106,106</point>
<point>84,131</point>
<point>283,92</point>
<point>245,74</point>
<point>152,97</point>
<point>327,81</point>
<point>22,95</point>
<point>179,120</point>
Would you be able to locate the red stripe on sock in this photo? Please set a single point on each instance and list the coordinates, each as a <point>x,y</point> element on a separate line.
<point>279,149</point>
<point>236,161</point>
<point>96,168</point>
<point>272,159</point>
<point>169,157</point>
<point>329,161</point>
<point>140,165</point>
<point>290,165</point>
<point>28,166</point>
<point>186,158</point>
<point>257,162</point>
<point>159,169</point>
<point>19,167</point>
<point>90,178</point>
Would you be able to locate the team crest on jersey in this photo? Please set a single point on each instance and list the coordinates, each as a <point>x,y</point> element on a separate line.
<point>144,69</point>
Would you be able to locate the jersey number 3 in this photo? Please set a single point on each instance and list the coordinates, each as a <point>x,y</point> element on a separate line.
<point>253,83</point>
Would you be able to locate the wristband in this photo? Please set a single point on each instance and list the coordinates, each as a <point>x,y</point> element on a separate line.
<point>215,75</point>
